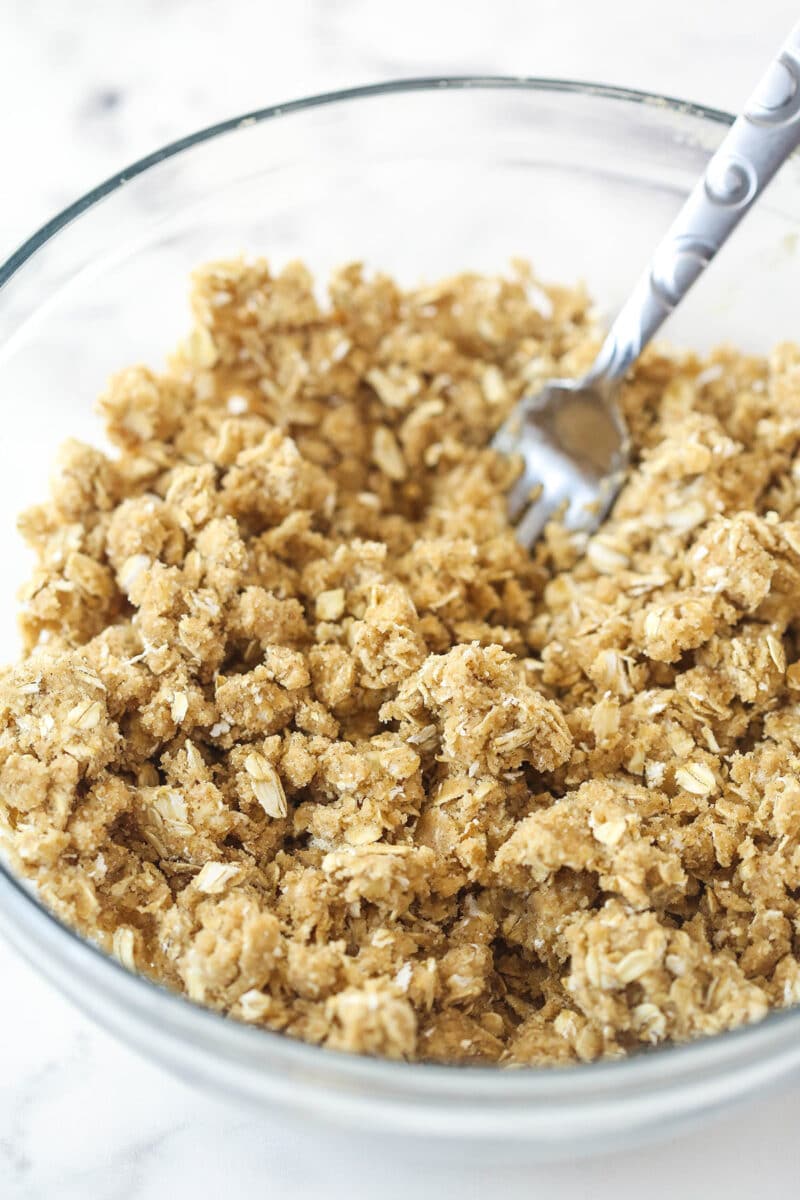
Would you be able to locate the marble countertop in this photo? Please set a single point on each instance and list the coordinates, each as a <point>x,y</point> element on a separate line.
<point>85,89</point>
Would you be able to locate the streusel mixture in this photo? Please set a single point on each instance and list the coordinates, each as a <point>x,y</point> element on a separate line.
<point>302,732</point>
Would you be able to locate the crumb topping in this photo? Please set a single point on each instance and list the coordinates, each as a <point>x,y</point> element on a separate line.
<point>302,732</point>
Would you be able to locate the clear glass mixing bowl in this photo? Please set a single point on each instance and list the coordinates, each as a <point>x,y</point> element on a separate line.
<point>419,178</point>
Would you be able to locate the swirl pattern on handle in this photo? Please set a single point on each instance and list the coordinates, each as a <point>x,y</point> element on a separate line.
<point>676,266</point>
<point>777,100</point>
<point>731,182</point>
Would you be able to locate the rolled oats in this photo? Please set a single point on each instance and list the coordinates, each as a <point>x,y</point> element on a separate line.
<point>301,731</point>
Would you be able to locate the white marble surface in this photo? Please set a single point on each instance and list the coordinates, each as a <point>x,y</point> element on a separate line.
<point>85,88</point>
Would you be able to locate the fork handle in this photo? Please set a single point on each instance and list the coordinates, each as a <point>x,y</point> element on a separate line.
<point>759,141</point>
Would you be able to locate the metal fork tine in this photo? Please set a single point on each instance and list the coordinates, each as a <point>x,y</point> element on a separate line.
<point>531,525</point>
<point>519,496</point>
<point>573,448</point>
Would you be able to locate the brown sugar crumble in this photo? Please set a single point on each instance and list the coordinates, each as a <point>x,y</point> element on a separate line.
<point>302,732</point>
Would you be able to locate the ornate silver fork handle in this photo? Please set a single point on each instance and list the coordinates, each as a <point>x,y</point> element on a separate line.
<point>758,142</point>
<point>571,436</point>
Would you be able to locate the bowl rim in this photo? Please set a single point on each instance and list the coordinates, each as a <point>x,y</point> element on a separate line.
<point>420,83</point>
<point>667,1064</point>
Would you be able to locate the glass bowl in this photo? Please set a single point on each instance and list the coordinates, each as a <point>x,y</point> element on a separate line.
<point>419,178</point>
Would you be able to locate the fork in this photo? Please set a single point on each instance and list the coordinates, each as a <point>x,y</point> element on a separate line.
<point>571,435</point>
